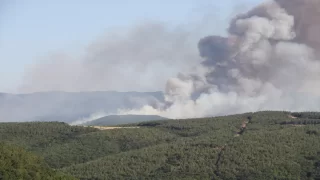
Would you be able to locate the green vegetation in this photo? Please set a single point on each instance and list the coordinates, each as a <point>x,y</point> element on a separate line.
<point>307,115</point>
<point>263,145</point>
<point>16,163</point>
<point>303,118</point>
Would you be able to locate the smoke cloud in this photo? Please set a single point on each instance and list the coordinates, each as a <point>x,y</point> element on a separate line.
<point>307,26</point>
<point>269,61</point>
<point>141,58</point>
<point>92,117</point>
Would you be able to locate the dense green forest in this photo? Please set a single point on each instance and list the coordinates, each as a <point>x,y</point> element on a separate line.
<point>262,145</point>
<point>16,163</point>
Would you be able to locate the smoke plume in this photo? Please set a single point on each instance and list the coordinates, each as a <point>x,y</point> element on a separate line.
<point>307,26</point>
<point>269,61</point>
<point>141,58</point>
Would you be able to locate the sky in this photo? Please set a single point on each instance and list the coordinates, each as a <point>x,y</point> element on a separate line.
<point>31,29</point>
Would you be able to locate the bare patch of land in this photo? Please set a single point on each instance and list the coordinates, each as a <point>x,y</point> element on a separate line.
<point>292,117</point>
<point>298,125</point>
<point>109,128</point>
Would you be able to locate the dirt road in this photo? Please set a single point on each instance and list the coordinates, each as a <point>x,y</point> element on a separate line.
<point>109,127</point>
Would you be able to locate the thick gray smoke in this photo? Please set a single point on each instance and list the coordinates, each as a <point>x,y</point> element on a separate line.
<point>268,61</point>
<point>138,58</point>
<point>307,26</point>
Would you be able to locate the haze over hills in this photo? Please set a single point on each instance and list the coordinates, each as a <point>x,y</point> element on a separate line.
<point>122,119</point>
<point>70,106</point>
<point>267,59</point>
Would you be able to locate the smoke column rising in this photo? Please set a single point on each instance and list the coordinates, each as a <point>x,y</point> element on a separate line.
<point>268,61</point>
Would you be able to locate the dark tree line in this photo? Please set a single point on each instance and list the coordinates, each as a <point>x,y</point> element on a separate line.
<point>308,115</point>
<point>301,122</point>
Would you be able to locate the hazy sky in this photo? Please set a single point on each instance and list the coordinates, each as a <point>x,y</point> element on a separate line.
<point>30,29</point>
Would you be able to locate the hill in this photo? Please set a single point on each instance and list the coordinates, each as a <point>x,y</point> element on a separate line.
<point>262,145</point>
<point>122,119</point>
<point>70,106</point>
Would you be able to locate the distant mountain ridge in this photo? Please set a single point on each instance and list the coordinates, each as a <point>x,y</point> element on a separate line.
<point>70,106</point>
<point>122,119</point>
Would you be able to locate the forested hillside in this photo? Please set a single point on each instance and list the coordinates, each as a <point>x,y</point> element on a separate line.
<point>263,145</point>
<point>16,163</point>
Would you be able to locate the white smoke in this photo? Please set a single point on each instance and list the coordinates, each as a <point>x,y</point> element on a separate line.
<point>92,117</point>
<point>266,69</point>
